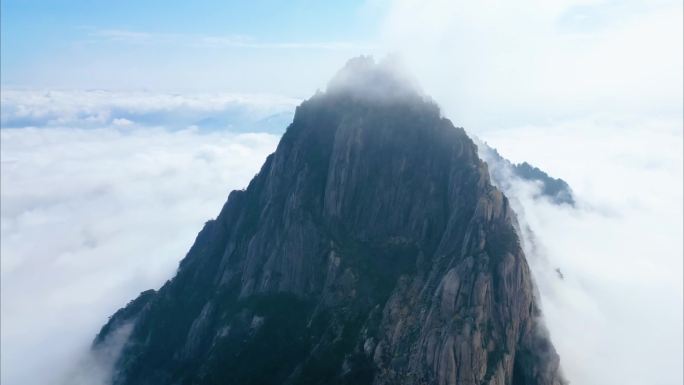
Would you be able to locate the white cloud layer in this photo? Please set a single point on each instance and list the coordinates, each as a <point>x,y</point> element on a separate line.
<point>91,217</point>
<point>501,62</point>
<point>616,316</point>
<point>96,108</point>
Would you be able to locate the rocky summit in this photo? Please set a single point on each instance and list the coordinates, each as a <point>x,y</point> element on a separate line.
<point>371,248</point>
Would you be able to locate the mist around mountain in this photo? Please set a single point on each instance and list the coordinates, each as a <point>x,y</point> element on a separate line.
<point>371,248</point>
<point>504,171</point>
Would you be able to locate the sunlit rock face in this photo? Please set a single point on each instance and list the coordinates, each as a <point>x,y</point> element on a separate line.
<point>371,248</point>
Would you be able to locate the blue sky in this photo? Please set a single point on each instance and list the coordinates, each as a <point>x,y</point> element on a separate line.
<point>85,44</point>
<point>49,24</point>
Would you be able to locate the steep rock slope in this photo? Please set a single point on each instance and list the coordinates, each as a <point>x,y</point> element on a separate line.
<point>371,248</point>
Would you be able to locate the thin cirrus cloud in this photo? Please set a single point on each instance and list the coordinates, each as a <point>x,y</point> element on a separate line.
<point>214,41</point>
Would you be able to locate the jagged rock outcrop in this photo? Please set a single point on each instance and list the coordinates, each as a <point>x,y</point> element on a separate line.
<point>503,172</point>
<point>371,248</point>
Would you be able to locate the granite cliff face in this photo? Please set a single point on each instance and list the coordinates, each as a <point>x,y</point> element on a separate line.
<point>371,248</point>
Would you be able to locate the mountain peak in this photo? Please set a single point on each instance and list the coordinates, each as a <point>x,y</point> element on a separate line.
<point>371,249</point>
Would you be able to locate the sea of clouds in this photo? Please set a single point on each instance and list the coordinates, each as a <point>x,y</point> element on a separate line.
<point>615,316</point>
<point>91,217</point>
<point>102,108</point>
<point>94,214</point>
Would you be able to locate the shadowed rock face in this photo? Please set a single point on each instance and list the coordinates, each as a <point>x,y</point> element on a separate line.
<point>371,248</point>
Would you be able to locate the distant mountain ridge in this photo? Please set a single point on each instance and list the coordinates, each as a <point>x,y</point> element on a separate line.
<point>371,248</point>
